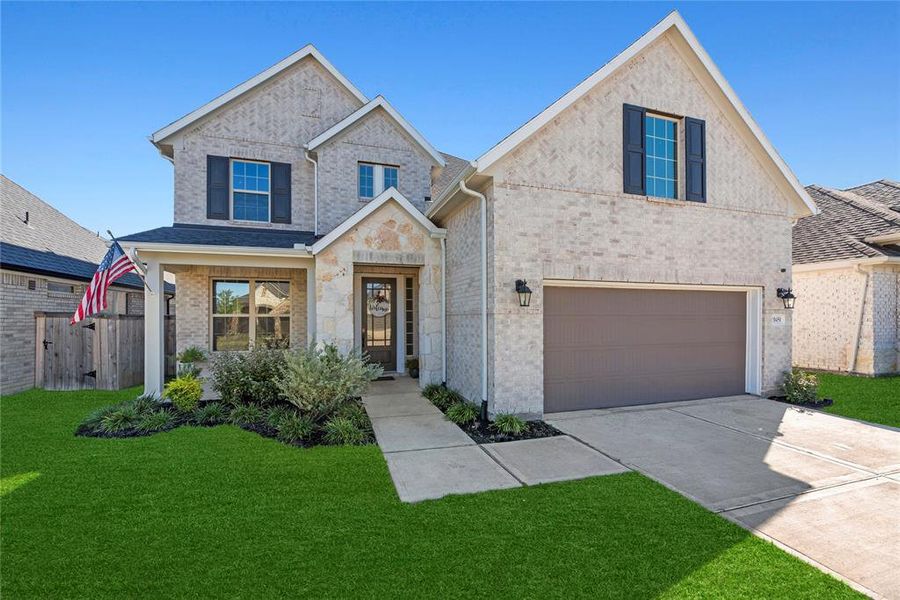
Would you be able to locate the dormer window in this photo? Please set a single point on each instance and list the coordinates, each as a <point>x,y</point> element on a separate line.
<point>374,179</point>
<point>250,190</point>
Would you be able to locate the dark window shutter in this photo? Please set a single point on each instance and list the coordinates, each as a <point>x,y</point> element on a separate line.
<point>281,193</point>
<point>695,159</point>
<point>633,167</point>
<point>217,189</point>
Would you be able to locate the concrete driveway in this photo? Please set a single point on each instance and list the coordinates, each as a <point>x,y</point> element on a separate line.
<point>823,487</point>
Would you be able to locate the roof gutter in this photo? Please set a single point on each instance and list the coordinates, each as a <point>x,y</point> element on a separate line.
<point>845,264</point>
<point>887,238</point>
<point>300,251</point>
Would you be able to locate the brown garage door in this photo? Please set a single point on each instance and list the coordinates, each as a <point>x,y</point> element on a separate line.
<point>606,347</point>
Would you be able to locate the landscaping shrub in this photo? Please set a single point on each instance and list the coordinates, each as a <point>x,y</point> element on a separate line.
<point>509,424</point>
<point>295,428</point>
<point>248,377</point>
<point>157,420</point>
<point>246,414</point>
<point>191,354</point>
<point>462,413</point>
<point>278,413</point>
<point>121,418</point>
<point>431,390</point>
<point>318,381</point>
<point>339,431</point>
<point>800,387</point>
<point>188,370</point>
<point>92,423</point>
<point>355,412</point>
<point>144,403</point>
<point>184,392</point>
<point>210,414</point>
<point>444,398</point>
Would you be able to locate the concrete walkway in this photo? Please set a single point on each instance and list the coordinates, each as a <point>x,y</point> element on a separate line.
<point>430,457</point>
<point>822,487</point>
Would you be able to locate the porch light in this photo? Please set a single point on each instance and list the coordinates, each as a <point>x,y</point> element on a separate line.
<point>787,296</point>
<point>524,292</point>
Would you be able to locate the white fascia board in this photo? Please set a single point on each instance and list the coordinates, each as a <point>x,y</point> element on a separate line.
<point>356,116</point>
<point>673,20</point>
<point>302,252</point>
<point>308,50</point>
<point>382,199</point>
<point>829,265</point>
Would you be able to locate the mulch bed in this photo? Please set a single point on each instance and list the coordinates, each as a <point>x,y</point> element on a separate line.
<point>820,404</point>
<point>484,433</point>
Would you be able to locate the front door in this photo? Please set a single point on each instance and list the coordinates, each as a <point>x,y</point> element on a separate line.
<point>379,321</point>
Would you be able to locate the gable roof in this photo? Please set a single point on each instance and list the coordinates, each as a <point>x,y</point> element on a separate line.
<point>844,228</point>
<point>308,50</point>
<point>373,205</point>
<point>360,113</point>
<point>884,191</point>
<point>220,235</point>
<point>674,22</point>
<point>454,167</point>
<point>49,243</point>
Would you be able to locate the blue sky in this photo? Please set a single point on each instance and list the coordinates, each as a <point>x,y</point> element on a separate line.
<point>83,85</point>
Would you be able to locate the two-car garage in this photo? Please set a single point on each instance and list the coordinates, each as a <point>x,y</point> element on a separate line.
<point>608,346</point>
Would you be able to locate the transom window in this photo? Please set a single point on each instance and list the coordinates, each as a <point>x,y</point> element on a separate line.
<point>250,190</point>
<point>662,156</point>
<point>241,319</point>
<point>374,179</point>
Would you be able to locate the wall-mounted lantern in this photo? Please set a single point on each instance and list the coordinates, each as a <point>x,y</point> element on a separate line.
<point>524,292</point>
<point>787,296</point>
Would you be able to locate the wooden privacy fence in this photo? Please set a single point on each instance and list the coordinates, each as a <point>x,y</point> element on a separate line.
<point>104,353</point>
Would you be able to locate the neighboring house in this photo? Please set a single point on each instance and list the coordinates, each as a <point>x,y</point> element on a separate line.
<point>648,213</point>
<point>45,261</point>
<point>847,280</point>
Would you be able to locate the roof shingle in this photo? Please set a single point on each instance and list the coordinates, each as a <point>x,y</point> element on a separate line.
<point>216,235</point>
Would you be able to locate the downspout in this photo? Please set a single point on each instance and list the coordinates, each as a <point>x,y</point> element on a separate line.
<point>315,192</point>
<point>444,310</point>
<point>854,348</point>
<point>484,329</point>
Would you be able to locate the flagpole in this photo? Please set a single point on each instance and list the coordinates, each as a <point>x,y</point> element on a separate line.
<point>138,269</point>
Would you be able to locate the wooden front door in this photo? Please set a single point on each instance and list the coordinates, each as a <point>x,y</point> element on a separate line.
<point>379,321</point>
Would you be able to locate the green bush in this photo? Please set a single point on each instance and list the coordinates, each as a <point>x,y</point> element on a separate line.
<point>509,424</point>
<point>432,390</point>
<point>94,420</point>
<point>318,381</point>
<point>800,387</point>
<point>444,398</point>
<point>145,403</point>
<point>248,377</point>
<point>341,431</point>
<point>191,354</point>
<point>120,418</point>
<point>276,414</point>
<point>188,370</point>
<point>210,414</point>
<point>355,412</point>
<point>184,392</point>
<point>295,428</point>
<point>462,413</point>
<point>155,421</point>
<point>246,414</point>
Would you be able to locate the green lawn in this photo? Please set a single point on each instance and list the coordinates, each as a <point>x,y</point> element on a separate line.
<point>225,513</point>
<point>873,399</point>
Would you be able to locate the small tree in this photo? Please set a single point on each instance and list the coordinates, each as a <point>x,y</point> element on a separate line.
<point>800,387</point>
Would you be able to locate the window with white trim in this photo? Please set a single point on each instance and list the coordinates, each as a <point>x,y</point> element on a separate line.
<point>661,137</point>
<point>241,319</point>
<point>374,179</point>
<point>250,190</point>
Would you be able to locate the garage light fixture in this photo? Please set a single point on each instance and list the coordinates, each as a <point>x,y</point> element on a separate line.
<point>787,296</point>
<point>524,292</point>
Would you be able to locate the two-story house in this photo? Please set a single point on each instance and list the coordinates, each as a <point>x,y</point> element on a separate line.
<point>622,247</point>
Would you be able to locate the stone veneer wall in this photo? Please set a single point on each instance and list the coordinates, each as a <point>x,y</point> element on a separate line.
<point>376,139</point>
<point>193,302</point>
<point>389,236</point>
<point>827,319</point>
<point>559,199</point>
<point>17,307</point>
<point>271,123</point>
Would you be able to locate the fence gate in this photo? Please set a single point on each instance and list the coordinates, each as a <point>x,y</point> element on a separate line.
<point>105,353</point>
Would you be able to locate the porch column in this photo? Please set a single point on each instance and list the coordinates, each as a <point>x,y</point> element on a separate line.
<point>154,333</point>
<point>310,302</point>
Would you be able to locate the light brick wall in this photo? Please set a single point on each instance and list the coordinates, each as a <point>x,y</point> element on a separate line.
<point>837,307</point>
<point>563,214</point>
<point>271,123</point>
<point>193,301</point>
<point>376,139</point>
<point>389,236</point>
<point>17,327</point>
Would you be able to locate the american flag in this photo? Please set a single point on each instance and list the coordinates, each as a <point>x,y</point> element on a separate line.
<point>115,264</point>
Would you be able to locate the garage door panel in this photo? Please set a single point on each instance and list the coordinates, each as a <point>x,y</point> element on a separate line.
<point>621,347</point>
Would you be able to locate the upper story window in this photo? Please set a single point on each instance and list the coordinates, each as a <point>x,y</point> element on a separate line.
<point>250,190</point>
<point>662,156</point>
<point>374,179</point>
